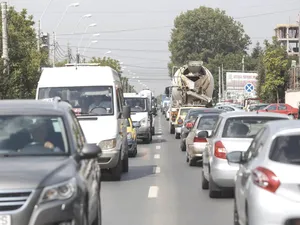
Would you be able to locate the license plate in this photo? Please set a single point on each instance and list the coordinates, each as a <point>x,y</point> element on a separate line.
<point>5,220</point>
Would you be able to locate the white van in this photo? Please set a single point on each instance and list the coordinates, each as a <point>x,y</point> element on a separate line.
<point>140,115</point>
<point>96,96</point>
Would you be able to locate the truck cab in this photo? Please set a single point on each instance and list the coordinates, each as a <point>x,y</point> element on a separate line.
<point>140,114</point>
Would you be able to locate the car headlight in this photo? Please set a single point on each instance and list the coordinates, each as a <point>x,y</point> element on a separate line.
<point>144,122</point>
<point>129,135</point>
<point>108,144</point>
<point>60,191</point>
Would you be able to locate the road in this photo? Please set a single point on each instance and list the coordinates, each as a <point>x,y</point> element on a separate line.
<point>161,189</point>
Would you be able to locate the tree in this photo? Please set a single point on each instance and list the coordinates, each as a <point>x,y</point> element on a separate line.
<point>276,63</point>
<point>107,61</point>
<point>203,33</point>
<point>25,60</point>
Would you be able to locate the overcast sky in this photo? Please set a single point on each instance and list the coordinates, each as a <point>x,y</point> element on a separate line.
<point>137,31</point>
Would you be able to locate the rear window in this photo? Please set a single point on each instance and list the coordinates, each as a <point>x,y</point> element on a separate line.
<point>207,122</point>
<point>195,114</point>
<point>245,127</point>
<point>184,112</point>
<point>286,149</point>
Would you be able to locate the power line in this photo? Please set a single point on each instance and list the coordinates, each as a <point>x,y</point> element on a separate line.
<point>144,67</point>
<point>266,14</point>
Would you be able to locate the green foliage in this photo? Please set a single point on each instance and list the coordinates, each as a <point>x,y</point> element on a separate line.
<point>275,64</point>
<point>107,61</point>
<point>204,33</point>
<point>24,59</point>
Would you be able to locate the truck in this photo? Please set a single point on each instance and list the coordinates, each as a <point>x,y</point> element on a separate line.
<point>192,85</point>
<point>151,105</point>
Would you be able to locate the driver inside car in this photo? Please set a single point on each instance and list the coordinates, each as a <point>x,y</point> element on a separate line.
<point>96,103</point>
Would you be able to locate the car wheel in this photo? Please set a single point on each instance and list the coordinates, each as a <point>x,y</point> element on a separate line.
<point>125,163</point>
<point>204,182</point>
<point>235,214</point>
<point>213,193</point>
<point>98,220</point>
<point>117,171</point>
<point>182,146</point>
<point>177,136</point>
<point>192,162</point>
<point>153,130</point>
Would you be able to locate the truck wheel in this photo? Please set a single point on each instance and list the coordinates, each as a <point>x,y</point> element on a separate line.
<point>125,163</point>
<point>117,171</point>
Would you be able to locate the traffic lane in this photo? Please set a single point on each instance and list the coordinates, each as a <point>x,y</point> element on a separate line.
<point>126,201</point>
<point>180,199</point>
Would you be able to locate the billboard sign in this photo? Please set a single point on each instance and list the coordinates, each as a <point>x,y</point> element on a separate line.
<point>236,81</point>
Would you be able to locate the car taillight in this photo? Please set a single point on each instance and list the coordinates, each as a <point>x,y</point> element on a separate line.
<point>220,150</point>
<point>189,125</point>
<point>202,140</point>
<point>179,121</point>
<point>265,179</point>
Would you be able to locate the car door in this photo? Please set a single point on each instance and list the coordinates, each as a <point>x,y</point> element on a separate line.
<point>90,169</point>
<point>244,172</point>
<point>283,109</point>
<point>122,124</point>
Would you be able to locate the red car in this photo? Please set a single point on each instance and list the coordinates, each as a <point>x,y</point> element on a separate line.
<point>281,108</point>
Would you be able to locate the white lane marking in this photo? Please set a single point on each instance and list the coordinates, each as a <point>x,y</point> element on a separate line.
<point>158,147</point>
<point>157,156</point>
<point>153,192</point>
<point>156,169</point>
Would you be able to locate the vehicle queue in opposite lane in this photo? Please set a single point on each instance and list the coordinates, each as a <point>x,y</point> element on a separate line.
<point>248,154</point>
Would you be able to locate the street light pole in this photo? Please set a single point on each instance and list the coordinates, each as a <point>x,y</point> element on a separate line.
<point>78,54</point>
<point>79,21</point>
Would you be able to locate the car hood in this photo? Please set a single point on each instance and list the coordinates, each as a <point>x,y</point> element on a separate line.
<point>98,128</point>
<point>31,172</point>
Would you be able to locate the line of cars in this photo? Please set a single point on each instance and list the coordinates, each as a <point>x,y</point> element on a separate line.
<point>253,155</point>
<point>53,149</point>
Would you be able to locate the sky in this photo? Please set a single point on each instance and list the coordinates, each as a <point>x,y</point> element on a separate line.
<point>137,32</point>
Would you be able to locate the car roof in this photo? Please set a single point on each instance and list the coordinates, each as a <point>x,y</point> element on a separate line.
<point>205,110</point>
<point>277,127</point>
<point>33,107</point>
<point>209,115</point>
<point>254,114</point>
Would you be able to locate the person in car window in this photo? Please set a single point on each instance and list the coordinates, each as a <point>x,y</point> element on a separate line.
<point>96,103</point>
<point>40,134</point>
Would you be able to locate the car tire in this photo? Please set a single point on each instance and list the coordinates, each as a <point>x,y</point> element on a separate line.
<point>117,171</point>
<point>125,163</point>
<point>192,162</point>
<point>177,136</point>
<point>213,193</point>
<point>98,220</point>
<point>182,146</point>
<point>235,214</point>
<point>204,182</point>
<point>153,130</point>
<point>149,139</point>
<point>172,129</point>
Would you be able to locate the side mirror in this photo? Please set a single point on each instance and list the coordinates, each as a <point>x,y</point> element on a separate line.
<point>90,151</point>
<point>235,157</point>
<point>203,134</point>
<point>126,111</point>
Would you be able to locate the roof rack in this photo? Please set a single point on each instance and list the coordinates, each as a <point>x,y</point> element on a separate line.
<point>82,64</point>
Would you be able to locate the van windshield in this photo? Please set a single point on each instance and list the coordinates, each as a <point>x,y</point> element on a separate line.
<point>84,100</point>
<point>137,104</point>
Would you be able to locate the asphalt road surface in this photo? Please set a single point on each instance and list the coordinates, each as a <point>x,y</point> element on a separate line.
<point>161,189</point>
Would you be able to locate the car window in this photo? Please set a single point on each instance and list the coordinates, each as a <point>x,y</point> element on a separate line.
<point>227,108</point>
<point>207,122</point>
<point>254,147</point>
<point>281,107</point>
<point>37,135</point>
<point>272,107</point>
<point>217,126</point>
<point>286,149</point>
<point>245,127</point>
<point>77,132</point>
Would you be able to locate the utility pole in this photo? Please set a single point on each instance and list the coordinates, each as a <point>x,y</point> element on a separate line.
<point>222,75</point>
<point>4,36</point>
<point>299,41</point>
<point>69,53</point>
<point>220,94</point>
<point>54,48</point>
<point>243,64</point>
<point>39,36</point>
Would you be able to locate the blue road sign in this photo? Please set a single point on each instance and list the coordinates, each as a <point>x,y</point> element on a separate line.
<point>249,87</point>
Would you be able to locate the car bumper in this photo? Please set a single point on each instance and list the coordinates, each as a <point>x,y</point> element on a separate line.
<point>196,150</point>
<point>131,145</point>
<point>223,174</point>
<point>55,212</point>
<point>109,158</point>
<point>143,132</point>
<point>178,130</point>
<point>263,211</point>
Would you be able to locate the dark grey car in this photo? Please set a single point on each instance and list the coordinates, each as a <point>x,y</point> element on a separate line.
<point>189,120</point>
<point>49,175</point>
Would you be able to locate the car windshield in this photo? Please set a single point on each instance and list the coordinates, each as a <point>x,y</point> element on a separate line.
<point>84,100</point>
<point>137,104</point>
<point>245,127</point>
<point>286,149</point>
<point>207,122</point>
<point>34,135</point>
